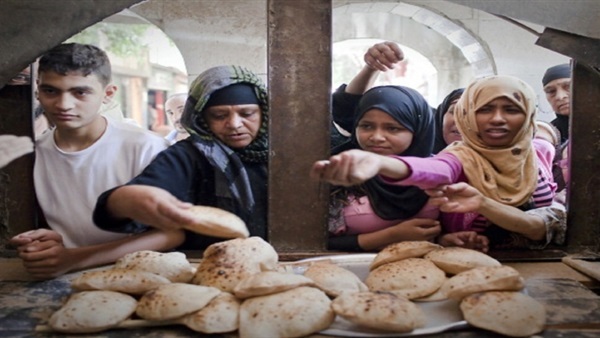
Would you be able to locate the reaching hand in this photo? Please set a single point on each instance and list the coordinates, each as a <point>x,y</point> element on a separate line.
<point>349,168</point>
<point>13,147</point>
<point>383,56</point>
<point>150,205</point>
<point>466,239</point>
<point>457,198</point>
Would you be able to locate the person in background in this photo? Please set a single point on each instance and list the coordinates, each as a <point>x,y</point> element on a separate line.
<point>222,164</point>
<point>82,156</point>
<point>557,86</point>
<point>174,108</point>
<point>389,120</point>
<point>446,131</point>
<point>498,156</point>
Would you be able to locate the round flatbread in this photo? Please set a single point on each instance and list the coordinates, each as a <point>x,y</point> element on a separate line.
<point>92,311</point>
<point>174,300</point>
<point>268,282</point>
<point>297,312</point>
<point>379,310</point>
<point>216,222</point>
<point>221,315</point>
<point>135,282</point>
<point>172,265</point>
<point>402,250</point>
<point>334,279</point>
<point>227,263</point>
<point>454,260</point>
<point>509,313</point>
<point>495,278</point>
<point>410,278</point>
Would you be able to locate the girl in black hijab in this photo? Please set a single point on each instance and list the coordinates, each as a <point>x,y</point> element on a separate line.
<point>446,131</point>
<point>389,120</point>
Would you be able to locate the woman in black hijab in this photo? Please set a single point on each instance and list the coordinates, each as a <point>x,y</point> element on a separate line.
<point>446,131</point>
<point>389,120</point>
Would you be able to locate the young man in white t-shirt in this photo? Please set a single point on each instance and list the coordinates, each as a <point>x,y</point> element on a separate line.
<point>84,155</point>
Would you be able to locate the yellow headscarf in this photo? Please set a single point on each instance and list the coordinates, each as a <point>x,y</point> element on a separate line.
<point>507,175</point>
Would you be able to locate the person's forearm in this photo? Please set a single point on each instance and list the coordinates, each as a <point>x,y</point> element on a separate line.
<point>376,240</point>
<point>393,168</point>
<point>513,219</point>
<point>106,253</point>
<point>363,81</point>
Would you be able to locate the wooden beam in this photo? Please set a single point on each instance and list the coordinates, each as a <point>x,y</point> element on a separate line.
<point>17,197</point>
<point>584,191</point>
<point>299,72</point>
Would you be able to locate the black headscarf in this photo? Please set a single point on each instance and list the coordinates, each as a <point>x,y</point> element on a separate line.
<point>410,109</point>
<point>441,110</point>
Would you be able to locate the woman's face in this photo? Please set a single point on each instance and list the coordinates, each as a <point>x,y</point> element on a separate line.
<point>236,126</point>
<point>499,121</point>
<point>380,133</point>
<point>449,129</point>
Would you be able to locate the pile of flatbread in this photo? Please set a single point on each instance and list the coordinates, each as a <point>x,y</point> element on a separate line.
<point>489,293</point>
<point>239,285</point>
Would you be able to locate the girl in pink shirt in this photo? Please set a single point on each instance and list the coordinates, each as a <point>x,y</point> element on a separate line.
<point>389,120</point>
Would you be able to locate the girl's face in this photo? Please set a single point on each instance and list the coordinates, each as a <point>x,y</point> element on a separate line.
<point>499,121</point>
<point>380,133</point>
<point>449,129</point>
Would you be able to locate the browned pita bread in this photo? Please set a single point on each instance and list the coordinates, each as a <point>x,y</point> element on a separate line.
<point>216,222</point>
<point>456,259</point>
<point>174,300</point>
<point>410,278</point>
<point>402,250</point>
<point>334,279</point>
<point>509,313</point>
<point>92,311</point>
<point>268,282</point>
<point>135,282</point>
<point>172,265</point>
<point>297,312</point>
<point>227,263</point>
<point>498,278</point>
<point>379,310</point>
<point>221,315</point>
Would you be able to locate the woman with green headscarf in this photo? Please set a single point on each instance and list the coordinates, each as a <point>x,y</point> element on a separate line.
<point>222,164</point>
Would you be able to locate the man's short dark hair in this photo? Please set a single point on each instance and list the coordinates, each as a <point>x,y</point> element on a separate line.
<point>76,57</point>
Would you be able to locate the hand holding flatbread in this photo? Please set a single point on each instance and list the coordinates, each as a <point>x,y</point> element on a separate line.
<point>216,222</point>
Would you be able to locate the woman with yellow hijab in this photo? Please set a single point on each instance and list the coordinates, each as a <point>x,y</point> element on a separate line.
<point>498,156</point>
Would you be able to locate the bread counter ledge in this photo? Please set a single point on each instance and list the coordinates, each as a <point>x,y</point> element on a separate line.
<point>572,308</point>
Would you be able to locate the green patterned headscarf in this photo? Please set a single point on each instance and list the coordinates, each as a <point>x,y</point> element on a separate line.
<point>212,80</point>
<point>228,163</point>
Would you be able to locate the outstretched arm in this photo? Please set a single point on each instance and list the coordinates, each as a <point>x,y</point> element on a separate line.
<point>353,167</point>
<point>462,197</point>
<point>44,255</point>
<point>149,205</point>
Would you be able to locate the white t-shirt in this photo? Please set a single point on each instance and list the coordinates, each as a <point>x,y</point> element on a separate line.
<point>67,184</point>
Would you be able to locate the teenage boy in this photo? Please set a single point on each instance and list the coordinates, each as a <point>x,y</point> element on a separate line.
<point>84,155</point>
